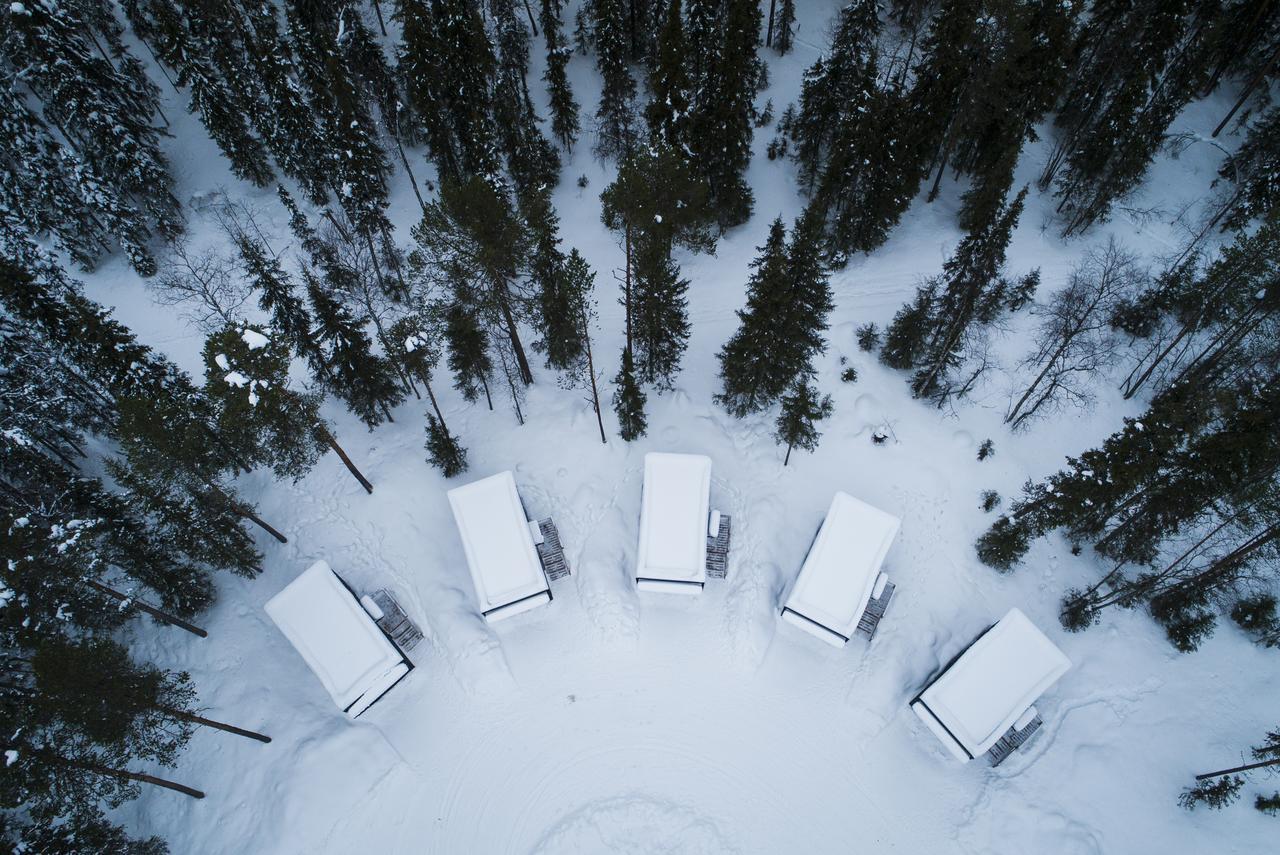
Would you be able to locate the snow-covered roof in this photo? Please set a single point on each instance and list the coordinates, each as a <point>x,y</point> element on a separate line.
<point>498,543</point>
<point>673,519</point>
<point>344,647</point>
<point>993,683</point>
<point>840,571</point>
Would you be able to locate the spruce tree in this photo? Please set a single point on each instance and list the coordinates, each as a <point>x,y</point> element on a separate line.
<point>419,337</point>
<point>802,409</point>
<point>971,291</point>
<point>854,141</point>
<point>469,358</point>
<point>667,113</point>
<point>102,112</point>
<point>657,202</point>
<point>287,312</point>
<point>752,375</point>
<point>615,116</point>
<point>660,313</point>
<point>443,449</point>
<point>629,400</point>
<point>1252,171</point>
<point>183,43</point>
<point>448,68</point>
<point>1113,116</point>
<point>564,108</point>
<point>247,378</point>
<point>781,329</point>
<point>532,160</point>
<point>720,122</point>
<point>782,29</point>
<point>344,363</point>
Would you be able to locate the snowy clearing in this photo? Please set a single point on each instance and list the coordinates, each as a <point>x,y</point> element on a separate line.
<point>616,721</point>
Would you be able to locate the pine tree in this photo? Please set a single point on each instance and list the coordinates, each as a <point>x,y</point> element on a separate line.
<point>720,122</point>
<point>471,244</point>
<point>564,108</point>
<point>615,116</point>
<point>629,400</point>
<point>802,409</point>
<point>657,202</point>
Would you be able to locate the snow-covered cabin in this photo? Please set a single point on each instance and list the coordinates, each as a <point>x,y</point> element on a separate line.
<point>840,589</point>
<point>498,539</point>
<point>982,703</point>
<point>675,523</point>
<point>325,623</point>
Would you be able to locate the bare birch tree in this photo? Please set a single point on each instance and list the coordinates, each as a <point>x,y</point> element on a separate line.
<point>205,285</point>
<point>1075,339</point>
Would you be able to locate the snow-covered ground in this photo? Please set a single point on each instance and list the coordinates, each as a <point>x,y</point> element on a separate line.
<point>617,722</point>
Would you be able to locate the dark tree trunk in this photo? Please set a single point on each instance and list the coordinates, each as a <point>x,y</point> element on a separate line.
<point>126,775</point>
<point>626,282</point>
<point>413,181</point>
<point>522,361</point>
<point>768,33</point>
<point>183,715</point>
<point>1275,761</point>
<point>426,381</point>
<point>342,455</point>
<point>591,373</point>
<point>1248,90</point>
<point>149,609</point>
<point>260,523</point>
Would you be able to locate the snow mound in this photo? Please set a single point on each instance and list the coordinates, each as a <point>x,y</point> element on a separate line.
<point>634,824</point>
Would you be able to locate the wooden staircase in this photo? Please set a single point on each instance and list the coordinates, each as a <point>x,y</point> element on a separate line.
<point>718,550</point>
<point>1012,739</point>
<point>394,622</point>
<point>874,611</point>
<point>551,552</point>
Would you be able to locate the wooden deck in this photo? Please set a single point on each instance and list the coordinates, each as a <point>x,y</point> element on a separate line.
<point>1012,739</point>
<point>718,550</point>
<point>875,611</point>
<point>394,622</point>
<point>551,552</point>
